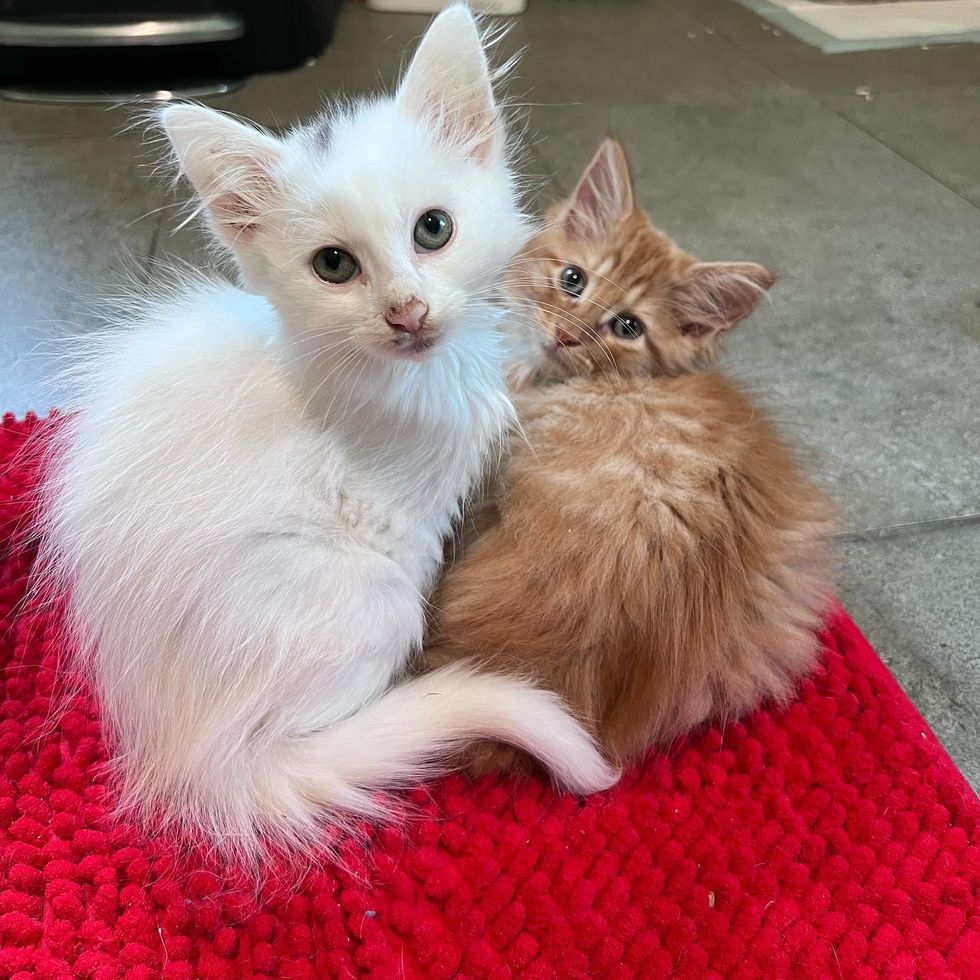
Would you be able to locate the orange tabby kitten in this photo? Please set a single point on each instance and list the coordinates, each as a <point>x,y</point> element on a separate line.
<point>653,552</point>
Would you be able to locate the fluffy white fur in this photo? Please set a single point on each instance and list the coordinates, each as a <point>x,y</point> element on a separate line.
<point>251,502</point>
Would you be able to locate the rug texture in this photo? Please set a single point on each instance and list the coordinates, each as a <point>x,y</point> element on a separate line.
<point>831,839</point>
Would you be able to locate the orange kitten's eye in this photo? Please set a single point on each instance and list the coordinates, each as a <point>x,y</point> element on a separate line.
<point>626,326</point>
<point>572,280</point>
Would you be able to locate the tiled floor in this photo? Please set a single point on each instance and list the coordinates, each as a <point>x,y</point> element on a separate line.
<point>745,145</point>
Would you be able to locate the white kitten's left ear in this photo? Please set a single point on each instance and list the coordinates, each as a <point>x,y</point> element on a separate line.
<point>233,167</point>
<point>448,85</point>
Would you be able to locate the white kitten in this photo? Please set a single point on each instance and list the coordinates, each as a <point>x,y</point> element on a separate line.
<point>252,501</point>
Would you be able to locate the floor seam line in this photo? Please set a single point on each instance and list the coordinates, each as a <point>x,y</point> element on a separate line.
<point>907,528</point>
<point>893,150</point>
<point>723,32</point>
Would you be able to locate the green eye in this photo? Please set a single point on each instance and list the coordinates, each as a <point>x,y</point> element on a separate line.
<point>433,230</point>
<point>626,327</point>
<point>335,265</point>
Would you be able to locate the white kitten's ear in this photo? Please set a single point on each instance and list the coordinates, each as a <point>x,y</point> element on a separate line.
<point>604,195</point>
<point>233,167</point>
<point>448,85</point>
<point>715,296</point>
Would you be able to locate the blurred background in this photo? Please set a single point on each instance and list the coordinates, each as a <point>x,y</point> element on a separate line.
<point>836,145</point>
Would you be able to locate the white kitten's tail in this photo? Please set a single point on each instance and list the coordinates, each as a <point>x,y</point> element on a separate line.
<point>311,781</point>
<point>399,737</point>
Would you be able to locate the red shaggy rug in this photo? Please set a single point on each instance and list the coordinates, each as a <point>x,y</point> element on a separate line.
<point>832,839</point>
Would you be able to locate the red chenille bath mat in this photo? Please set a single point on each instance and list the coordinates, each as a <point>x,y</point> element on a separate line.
<point>832,839</point>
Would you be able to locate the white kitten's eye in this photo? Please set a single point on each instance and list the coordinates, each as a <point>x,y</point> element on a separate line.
<point>572,280</point>
<point>335,265</point>
<point>626,326</point>
<point>433,230</point>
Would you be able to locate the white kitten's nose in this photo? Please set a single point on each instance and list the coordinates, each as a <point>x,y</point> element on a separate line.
<point>409,317</point>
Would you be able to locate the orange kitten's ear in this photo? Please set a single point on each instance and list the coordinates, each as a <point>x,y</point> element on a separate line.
<point>604,195</point>
<point>714,296</point>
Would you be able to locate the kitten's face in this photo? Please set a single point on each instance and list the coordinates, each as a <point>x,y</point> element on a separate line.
<point>387,238</point>
<point>603,304</point>
<point>379,228</point>
<point>610,294</point>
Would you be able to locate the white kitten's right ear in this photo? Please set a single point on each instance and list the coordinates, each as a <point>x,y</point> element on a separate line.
<point>604,194</point>
<point>233,167</point>
<point>448,85</point>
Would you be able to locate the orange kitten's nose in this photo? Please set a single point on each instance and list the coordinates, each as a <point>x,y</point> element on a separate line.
<point>409,317</point>
<point>566,339</point>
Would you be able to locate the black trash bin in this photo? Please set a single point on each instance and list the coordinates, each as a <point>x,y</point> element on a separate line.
<point>59,49</point>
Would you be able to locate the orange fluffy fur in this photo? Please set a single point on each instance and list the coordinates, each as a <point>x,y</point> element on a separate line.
<point>653,552</point>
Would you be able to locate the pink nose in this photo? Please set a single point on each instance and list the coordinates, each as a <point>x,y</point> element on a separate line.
<point>409,317</point>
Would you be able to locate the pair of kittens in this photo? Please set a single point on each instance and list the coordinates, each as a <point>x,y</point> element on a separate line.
<point>248,511</point>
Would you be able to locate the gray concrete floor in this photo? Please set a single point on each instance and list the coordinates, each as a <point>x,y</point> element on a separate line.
<point>745,145</point>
